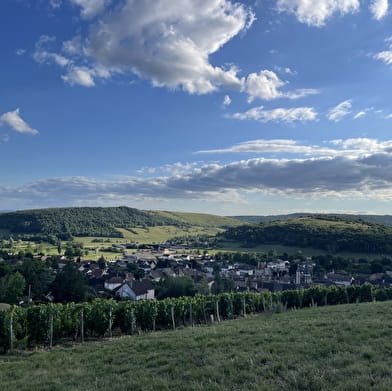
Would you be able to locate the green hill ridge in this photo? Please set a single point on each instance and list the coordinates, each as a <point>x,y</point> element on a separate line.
<point>99,221</point>
<point>327,232</point>
<point>255,219</point>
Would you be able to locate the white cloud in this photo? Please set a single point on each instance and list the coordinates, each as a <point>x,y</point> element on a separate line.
<point>359,114</point>
<point>170,42</point>
<point>42,55</point>
<point>274,146</point>
<point>91,8</point>
<point>85,76</point>
<point>362,146</point>
<point>73,46</point>
<point>379,8</point>
<point>81,76</point>
<point>177,168</point>
<point>340,111</point>
<point>315,13</point>
<point>226,100</point>
<point>20,52</point>
<point>301,93</point>
<point>278,115</point>
<point>364,176</point>
<point>385,56</point>
<point>286,70</point>
<point>15,122</point>
<point>352,148</point>
<point>266,85</point>
<point>55,3</point>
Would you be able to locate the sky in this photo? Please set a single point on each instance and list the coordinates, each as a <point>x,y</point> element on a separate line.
<point>214,106</point>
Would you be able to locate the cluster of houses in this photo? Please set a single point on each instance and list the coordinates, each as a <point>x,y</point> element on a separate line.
<point>117,279</point>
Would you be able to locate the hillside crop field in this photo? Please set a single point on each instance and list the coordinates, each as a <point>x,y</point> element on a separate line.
<point>345,347</point>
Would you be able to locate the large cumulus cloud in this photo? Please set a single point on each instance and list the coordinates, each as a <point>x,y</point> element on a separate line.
<point>366,175</point>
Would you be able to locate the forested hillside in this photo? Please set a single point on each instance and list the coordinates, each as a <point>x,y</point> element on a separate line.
<point>79,221</point>
<point>330,233</point>
<point>379,219</point>
<point>96,221</point>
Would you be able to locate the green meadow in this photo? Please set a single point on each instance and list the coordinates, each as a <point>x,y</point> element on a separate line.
<point>344,347</point>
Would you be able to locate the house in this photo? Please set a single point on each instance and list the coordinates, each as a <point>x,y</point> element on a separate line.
<point>168,272</point>
<point>137,290</point>
<point>157,275</point>
<point>245,270</point>
<point>275,286</point>
<point>113,283</point>
<point>340,279</point>
<point>241,285</point>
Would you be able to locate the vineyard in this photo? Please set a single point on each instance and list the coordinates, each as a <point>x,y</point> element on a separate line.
<point>24,327</point>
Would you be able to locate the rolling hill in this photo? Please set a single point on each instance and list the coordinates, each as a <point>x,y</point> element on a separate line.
<point>379,219</point>
<point>100,222</point>
<point>327,232</point>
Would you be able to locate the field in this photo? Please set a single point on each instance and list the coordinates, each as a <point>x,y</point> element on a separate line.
<point>160,234</point>
<point>95,244</point>
<point>345,347</point>
<point>202,219</point>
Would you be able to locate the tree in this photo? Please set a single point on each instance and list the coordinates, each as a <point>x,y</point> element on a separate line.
<point>12,287</point>
<point>202,287</point>
<point>37,275</point>
<point>102,262</point>
<point>137,272</point>
<point>222,285</point>
<point>175,287</point>
<point>70,285</point>
<point>73,249</point>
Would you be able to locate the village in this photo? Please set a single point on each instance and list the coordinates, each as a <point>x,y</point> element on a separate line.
<point>136,274</point>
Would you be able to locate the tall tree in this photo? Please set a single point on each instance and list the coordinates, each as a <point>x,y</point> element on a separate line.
<point>12,287</point>
<point>70,285</point>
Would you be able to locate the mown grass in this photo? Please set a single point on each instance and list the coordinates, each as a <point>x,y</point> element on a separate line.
<point>160,234</point>
<point>202,219</point>
<point>344,347</point>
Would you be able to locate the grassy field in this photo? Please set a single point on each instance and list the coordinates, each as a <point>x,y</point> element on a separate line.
<point>159,234</point>
<point>147,235</point>
<point>344,347</point>
<point>49,249</point>
<point>162,233</point>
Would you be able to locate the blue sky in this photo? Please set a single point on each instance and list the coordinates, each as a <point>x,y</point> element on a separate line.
<point>216,106</point>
